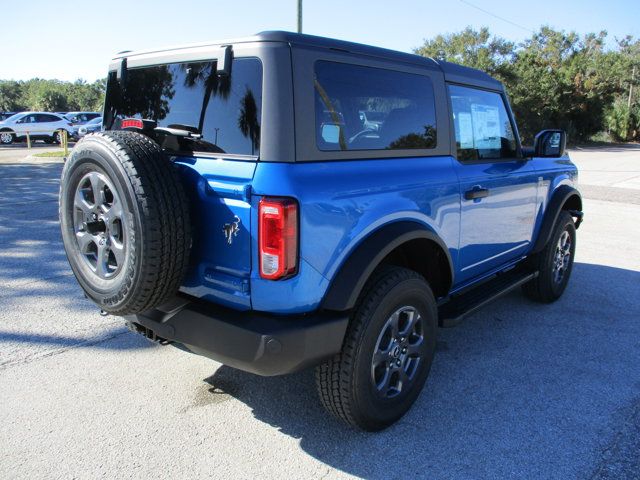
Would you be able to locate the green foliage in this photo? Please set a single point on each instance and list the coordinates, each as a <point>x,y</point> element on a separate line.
<point>622,122</point>
<point>477,49</point>
<point>555,79</point>
<point>51,95</point>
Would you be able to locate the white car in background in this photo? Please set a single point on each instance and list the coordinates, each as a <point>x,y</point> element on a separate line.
<point>40,126</point>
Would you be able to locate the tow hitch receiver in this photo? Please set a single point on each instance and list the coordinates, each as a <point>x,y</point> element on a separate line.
<point>147,333</point>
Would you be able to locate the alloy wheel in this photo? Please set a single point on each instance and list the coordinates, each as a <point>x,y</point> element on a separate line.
<point>99,225</point>
<point>398,352</point>
<point>562,257</point>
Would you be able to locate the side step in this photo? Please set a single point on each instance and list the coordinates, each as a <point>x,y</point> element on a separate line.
<point>459,305</point>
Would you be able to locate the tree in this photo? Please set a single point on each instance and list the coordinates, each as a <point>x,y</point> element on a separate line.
<point>10,96</point>
<point>555,79</point>
<point>472,48</point>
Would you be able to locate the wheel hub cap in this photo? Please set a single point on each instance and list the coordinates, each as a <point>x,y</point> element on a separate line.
<point>99,225</point>
<point>398,352</point>
<point>562,257</point>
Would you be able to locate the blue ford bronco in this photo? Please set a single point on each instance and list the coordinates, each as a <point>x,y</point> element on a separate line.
<point>286,201</point>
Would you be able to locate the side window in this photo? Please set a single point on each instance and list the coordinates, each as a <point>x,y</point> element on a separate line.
<point>42,118</point>
<point>481,123</point>
<point>365,108</point>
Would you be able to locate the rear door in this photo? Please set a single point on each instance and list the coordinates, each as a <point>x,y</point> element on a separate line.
<point>47,124</point>
<point>498,187</point>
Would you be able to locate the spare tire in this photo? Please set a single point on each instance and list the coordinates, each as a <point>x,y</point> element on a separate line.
<point>125,221</point>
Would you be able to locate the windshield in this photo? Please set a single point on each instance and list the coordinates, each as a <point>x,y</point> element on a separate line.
<point>222,112</point>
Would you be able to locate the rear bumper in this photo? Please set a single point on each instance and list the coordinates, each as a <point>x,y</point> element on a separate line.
<point>254,342</point>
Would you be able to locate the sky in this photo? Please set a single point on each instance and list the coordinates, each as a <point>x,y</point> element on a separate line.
<point>70,39</point>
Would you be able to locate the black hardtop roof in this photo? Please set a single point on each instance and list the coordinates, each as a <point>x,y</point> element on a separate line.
<point>452,72</point>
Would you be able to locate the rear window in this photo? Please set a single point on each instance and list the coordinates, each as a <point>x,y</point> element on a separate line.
<point>365,108</point>
<point>223,112</point>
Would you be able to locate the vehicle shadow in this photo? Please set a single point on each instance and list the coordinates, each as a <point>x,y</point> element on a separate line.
<point>516,388</point>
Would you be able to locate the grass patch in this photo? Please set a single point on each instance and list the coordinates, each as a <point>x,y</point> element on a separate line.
<point>50,154</point>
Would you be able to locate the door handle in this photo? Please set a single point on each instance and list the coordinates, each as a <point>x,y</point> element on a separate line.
<point>476,193</point>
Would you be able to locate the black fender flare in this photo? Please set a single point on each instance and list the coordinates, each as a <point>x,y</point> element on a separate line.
<point>562,195</point>
<point>350,279</point>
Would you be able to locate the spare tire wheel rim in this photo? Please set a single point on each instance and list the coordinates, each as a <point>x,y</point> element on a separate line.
<point>99,225</point>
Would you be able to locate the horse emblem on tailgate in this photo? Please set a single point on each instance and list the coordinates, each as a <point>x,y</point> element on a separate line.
<point>231,230</point>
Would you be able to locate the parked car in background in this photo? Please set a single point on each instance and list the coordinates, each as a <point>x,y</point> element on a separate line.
<point>40,126</point>
<point>80,118</point>
<point>91,126</point>
<point>5,115</point>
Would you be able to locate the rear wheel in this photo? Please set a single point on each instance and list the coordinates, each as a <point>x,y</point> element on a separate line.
<point>7,138</point>
<point>554,263</point>
<point>57,136</point>
<point>387,352</point>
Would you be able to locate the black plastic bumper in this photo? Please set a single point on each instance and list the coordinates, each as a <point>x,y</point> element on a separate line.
<point>250,341</point>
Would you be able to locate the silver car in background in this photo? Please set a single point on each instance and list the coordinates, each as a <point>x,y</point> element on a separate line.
<point>91,126</point>
<point>81,118</point>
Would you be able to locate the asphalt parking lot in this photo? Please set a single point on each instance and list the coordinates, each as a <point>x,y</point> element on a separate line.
<point>518,390</point>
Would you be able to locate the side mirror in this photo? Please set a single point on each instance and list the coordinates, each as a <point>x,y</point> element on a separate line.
<point>550,143</point>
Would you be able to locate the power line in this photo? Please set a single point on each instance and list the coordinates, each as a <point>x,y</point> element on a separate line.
<point>496,16</point>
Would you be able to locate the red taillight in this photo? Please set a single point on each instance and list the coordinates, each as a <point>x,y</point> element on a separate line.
<point>132,123</point>
<point>278,237</point>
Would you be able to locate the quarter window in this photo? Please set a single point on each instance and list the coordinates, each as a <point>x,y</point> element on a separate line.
<point>43,118</point>
<point>481,123</point>
<point>365,108</point>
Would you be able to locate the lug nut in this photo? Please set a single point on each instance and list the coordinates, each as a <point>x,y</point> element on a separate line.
<point>398,363</point>
<point>404,350</point>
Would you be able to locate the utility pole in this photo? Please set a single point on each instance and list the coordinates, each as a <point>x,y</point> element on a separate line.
<point>299,16</point>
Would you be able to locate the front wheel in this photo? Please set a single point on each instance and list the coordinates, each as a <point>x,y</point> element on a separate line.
<point>554,263</point>
<point>6,138</point>
<point>387,352</point>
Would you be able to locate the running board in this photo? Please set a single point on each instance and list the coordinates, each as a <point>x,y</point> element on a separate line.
<point>458,306</point>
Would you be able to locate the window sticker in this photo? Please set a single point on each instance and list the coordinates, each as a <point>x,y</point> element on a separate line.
<point>486,126</point>
<point>465,130</point>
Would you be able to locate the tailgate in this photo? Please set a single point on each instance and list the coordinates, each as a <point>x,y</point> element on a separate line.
<point>219,191</point>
